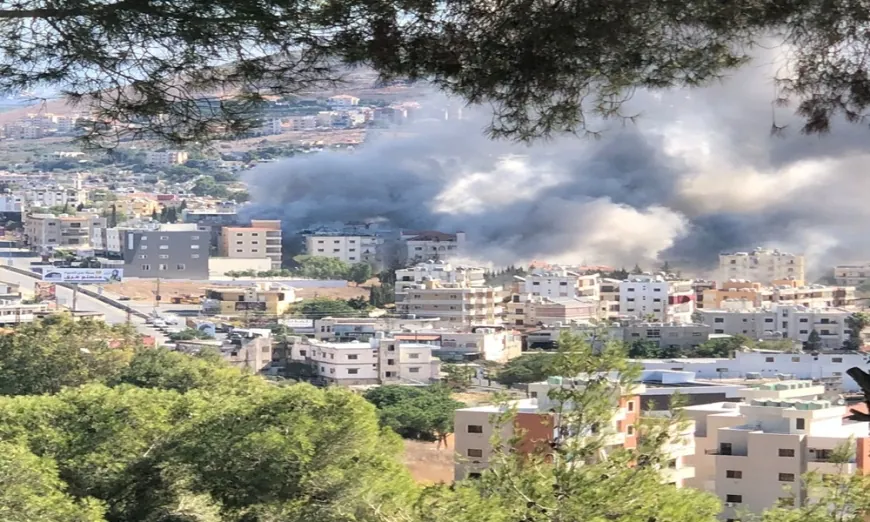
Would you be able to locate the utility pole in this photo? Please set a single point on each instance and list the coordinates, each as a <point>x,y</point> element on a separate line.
<point>75,298</point>
<point>157,296</point>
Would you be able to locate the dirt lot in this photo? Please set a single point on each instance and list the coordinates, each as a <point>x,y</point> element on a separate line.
<point>427,463</point>
<point>144,289</point>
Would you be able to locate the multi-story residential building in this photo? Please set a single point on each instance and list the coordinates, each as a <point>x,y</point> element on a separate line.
<point>261,239</point>
<point>554,311</point>
<point>245,349</point>
<point>609,296</point>
<point>437,271</point>
<point>166,158</point>
<point>549,283</point>
<point>379,361</point>
<point>536,425</point>
<point>46,197</point>
<point>138,207</point>
<point>350,249</point>
<point>761,265</point>
<point>682,336</point>
<point>853,275</point>
<point>344,329</point>
<point>168,251</point>
<point>657,298</point>
<point>430,245</point>
<point>753,455</point>
<point>781,322</point>
<point>700,286</point>
<point>45,232</point>
<point>342,101</point>
<point>11,204</point>
<point>453,303</point>
<point>302,123</point>
<point>781,292</point>
<point>272,299</point>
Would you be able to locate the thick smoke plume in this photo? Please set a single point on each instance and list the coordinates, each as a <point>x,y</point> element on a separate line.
<point>698,173</point>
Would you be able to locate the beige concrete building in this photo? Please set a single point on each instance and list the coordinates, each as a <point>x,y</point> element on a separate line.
<point>608,293</point>
<point>762,265</point>
<point>453,303</point>
<point>261,239</point>
<point>752,455</point>
<point>853,275</point>
<point>437,271</point>
<point>348,248</point>
<point>166,158</point>
<point>789,291</point>
<point>537,425</point>
<point>45,232</point>
<point>780,322</point>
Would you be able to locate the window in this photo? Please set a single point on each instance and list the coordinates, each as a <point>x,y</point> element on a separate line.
<point>795,359</point>
<point>194,237</point>
<point>143,256</point>
<point>786,501</point>
<point>240,242</point>
<point>724,448</point>
<point>719,320</point>
<point>255,242</point>
<point>143,247</point>
<point>180,266</point>
<point>164,238</point>
<point>474,475</point>
<point>786,477</point>
<point>239,250</point>
<point>415,369</point>
<point>194,256</point>
<point>719,331</point>
<point>475,453</point>
<point>164,247</point>
<point>163,256</point>
<point>630,405</point>
<point>800,424</point>
<point>733,474</point>
<point>413,356</point>
<point>352,371</point>
<point>146,267</point>
<point>629,430</point>
<point>164,267</point>
<point>803,320</point>
<point>768,359</point>
<point>352,357</point>
<point>786,452</point>
<point>836,359</point>
<point>194,247</point>
<point>734,499</point>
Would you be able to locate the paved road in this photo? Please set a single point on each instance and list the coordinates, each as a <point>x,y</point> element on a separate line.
<point>83,303</point>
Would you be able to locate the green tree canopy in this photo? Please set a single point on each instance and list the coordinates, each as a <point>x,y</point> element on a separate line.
<point>415,412</point>
<point>359,273</point>
<point>562,66</point>
<point>530,367</point>
<point>324,307</point>
<point>321,267</point>
<point>31,490</point>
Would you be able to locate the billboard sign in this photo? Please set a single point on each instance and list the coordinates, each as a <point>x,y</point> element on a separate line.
<point>45,292</point>
<point>86,276</point>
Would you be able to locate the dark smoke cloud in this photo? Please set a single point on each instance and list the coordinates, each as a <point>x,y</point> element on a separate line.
<point>698,174</point>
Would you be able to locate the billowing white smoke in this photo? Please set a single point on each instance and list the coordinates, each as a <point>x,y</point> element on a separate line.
<point>698,174</point>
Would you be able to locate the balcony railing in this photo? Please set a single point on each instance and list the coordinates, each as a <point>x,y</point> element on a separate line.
<point>731,452</point>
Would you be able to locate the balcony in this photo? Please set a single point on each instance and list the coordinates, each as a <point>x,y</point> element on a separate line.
<point>726,453</point>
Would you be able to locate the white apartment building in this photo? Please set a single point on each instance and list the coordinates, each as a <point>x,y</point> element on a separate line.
<point>342,101</point>
<point>430,245</point>
<point>44,232</point>
<point>752,455</point>
<point>653,296</point>
<point>302,123</point>
<point>826,365</point>
<point>453,304</point>
<point>853,275</point>
<point>166,158</point>
<point>378,361</point>
<point>54,196</point>
<point>761,265</point>
<point>11,203</point>
<point>437,271</point>
<point>350,249</point>
<point>781,322</point>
